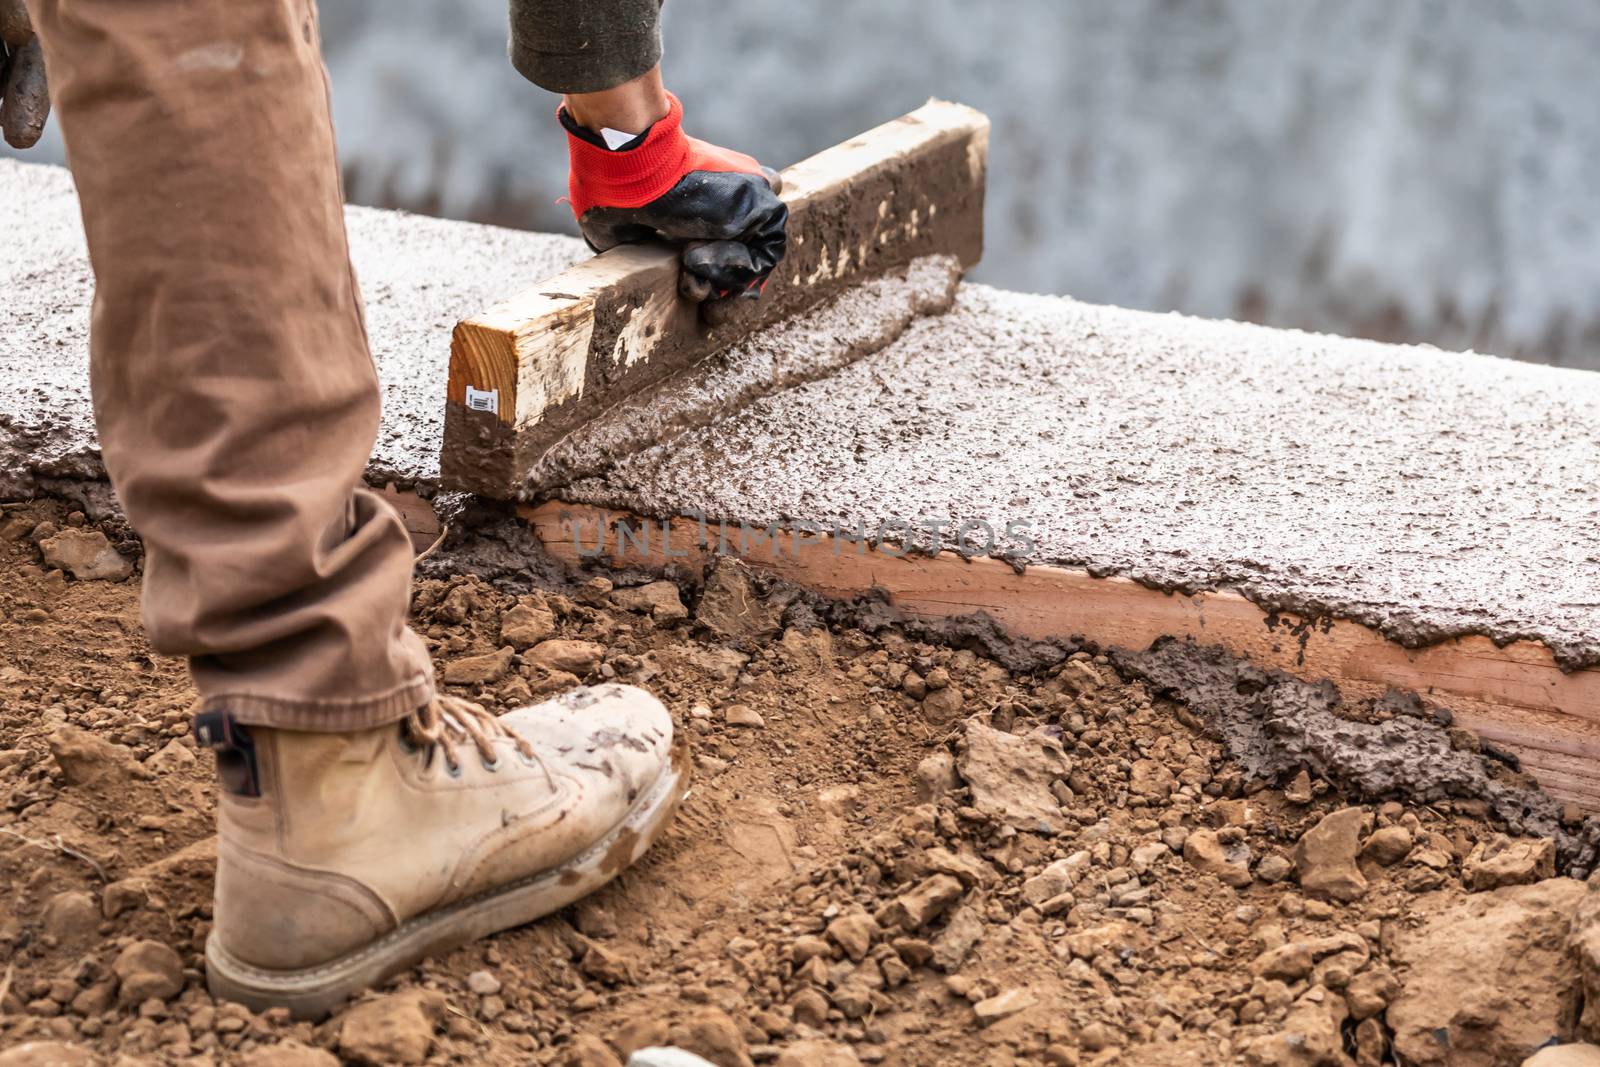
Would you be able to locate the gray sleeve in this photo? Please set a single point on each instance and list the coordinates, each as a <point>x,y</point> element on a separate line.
<point>584,46</point>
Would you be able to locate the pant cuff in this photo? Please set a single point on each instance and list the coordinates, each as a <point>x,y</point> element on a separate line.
<point>324,716</point>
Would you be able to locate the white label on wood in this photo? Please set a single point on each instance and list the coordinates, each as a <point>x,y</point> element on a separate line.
<point>483,400</point>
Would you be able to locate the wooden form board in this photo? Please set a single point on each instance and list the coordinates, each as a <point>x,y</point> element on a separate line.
<point>524,373</point>
<point>1514,695</point>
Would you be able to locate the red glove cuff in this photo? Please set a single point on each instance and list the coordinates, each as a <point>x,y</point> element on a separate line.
<point>633,178</point>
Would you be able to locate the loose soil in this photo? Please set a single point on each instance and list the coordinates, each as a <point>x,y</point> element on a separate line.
<point>895,852</point>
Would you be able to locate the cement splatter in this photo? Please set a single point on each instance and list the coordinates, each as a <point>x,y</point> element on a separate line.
<point>1273,724</point>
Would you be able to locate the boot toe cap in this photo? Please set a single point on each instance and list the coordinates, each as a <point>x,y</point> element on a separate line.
<point>628,729</point>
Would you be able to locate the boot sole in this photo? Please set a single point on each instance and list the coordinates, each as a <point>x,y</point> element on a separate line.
<point>315,992</point>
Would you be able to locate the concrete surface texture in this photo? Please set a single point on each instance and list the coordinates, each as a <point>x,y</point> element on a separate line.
<point>1418,171</point>
<point>1423,493</point>
<point>418,277</point>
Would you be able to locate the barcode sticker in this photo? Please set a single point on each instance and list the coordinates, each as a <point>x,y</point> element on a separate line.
<point>484,400</point>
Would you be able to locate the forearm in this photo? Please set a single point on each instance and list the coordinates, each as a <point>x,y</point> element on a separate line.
<point>584,46</point>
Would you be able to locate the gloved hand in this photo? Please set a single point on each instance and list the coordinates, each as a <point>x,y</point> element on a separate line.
<point>722,206</point>
<point>24,101</point>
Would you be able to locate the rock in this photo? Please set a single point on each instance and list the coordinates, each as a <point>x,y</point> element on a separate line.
<point>1325,858</point>
<point>574,657</point>
<point>913,910</point>
<point>854,932</point>
<point>1228,863</point>
<point>174,756</point>
<point>817,1053</point>
<point>480,669</point>
<point>956,942</point>
<point>47,1054</point>
<point>527,623</point>
<point>810,1008</point>
<point>1372,1042</point>
<point>1370,992</point>
<point>72,919</point>
<point>1003,1006</point>
<point>1387,846</point>
<point>586,1050</point>
<point>604,965</point>
<point>1288,963</point>
<point>483,983</point>
<point>1274,868</point>
<point>936,776</point>
<point>123,895</point>
<point>1298,791</point>
<point>1576,1055</point>
<point>1487,979</point>
<point>90,760</point>
<point>397,1028</point>
<point>743,715</point>
<point>1503,860</point>
<point>147,970</point>
<point>288,1053</point>
<point>1150,778</point>
<point>1056,878</point>
<point>1309,1036</point>
<point>943,706</point>
<point>719,664</point>
<point>710,1033</point>
<point>1010,776</point>
<point>86,555</point>
<point>658,599</point>
<point>731,608</point>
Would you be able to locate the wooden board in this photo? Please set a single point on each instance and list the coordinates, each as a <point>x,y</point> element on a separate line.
<point>524,373</point>
<point>1516,695</point>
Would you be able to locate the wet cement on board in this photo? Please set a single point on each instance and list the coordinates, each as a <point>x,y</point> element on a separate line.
<point>418,276</point>
<point>1426,494</point>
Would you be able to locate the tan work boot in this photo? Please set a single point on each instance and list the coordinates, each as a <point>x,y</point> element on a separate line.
<point>345,858</point>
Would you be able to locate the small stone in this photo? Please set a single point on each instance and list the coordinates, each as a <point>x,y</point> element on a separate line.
<point>483,983</point>
<point>87,759</point>
<point>174,756</point>
<point>658,599</point>
<point>913,685</point>
<point>854,932</point>
<point>1370,992</point>
<point>72,918</point>
<point>604,965</point>
<point>1274,868</point>
<point>732,609</point>
<point>526,624</point>
<point>288,1053</point>
<point>809,947</point>
<point>574,657</point>
<point>936,776</point>
<point>124,895</point>
<point>47,1054</point>
<point>1229,864</point>
<point>913,910</point>
<point>943,705</point>
<point>1503,860</point>
<point>147,970</point>
<point>1003,1006</point>
<point>710,1033</point>
<point>810,1008</point>
<point>480,669</point>
<point>743,715</point>
<point>397,1028</point>
<point>1010,776</point>
<point>1387,846</point>
<point>1325,857</point>
<point>1286,963</point>
<point>956,942</point>
<point>1151,778</point>
<point>1298,791</point>
<point>818,1053</point>
<point>86,555</point>
<point>586,1050</point>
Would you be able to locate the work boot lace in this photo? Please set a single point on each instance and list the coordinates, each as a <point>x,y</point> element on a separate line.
<point>445,722</point>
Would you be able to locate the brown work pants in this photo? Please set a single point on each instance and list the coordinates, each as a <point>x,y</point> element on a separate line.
<point>234,394</point>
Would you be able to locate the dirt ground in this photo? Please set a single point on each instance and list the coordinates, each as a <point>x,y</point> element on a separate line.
<point>895,852</point>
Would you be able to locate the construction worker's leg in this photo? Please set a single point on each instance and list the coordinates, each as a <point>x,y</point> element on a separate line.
<point>234,393</point>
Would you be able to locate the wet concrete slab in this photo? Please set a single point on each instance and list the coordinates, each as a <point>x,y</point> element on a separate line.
<point>1426,494</point>
<point>418,277</point>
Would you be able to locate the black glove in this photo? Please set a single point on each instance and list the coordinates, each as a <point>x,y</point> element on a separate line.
<point>721,206</point>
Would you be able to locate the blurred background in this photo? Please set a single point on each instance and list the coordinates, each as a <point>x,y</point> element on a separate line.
<point>1417,170</point>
